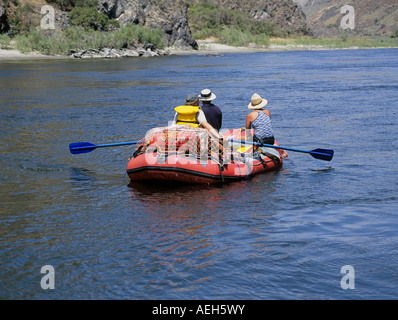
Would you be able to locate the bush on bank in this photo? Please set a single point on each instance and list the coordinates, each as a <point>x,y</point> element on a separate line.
<point>231,27</point>
<point>88,29</point>
<point>55,42</point>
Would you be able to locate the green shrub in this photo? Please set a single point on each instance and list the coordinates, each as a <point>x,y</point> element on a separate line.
<point>88,18</point>
<point>41,41</point>
<point>63,4</point>
<point>22,18</point>
<point>5,41</point>
<point>237,37</point>
<point>230,26</point>
<point>80,38</point>
<point>70,4</point>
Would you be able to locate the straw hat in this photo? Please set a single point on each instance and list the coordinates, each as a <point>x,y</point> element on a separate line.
<point>207,95</point>
<point>257,102</point>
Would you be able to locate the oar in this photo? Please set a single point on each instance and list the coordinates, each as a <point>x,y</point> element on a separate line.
<point>85,147</point>
<point>322,154</point>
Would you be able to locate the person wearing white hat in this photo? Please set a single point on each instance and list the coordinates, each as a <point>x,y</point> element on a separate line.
<point>198,116</point>
<point>259,119</point>
<point>212,112</point>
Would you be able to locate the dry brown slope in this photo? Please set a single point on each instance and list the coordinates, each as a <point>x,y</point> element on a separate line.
<point>372,18</point>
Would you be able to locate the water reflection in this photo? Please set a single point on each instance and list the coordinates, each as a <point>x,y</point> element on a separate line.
<point>82,175</point>
<point>163,198</point>
<point>176,201</point>
<point>199,209</point>
<point>194,227</point>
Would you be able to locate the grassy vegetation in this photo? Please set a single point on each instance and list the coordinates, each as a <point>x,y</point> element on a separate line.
<point>230,27</point>
<point>335,43</point>
<point>5,42</point>
<point>80,38</point>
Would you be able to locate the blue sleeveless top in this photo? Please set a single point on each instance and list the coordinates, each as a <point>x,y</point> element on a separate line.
<point>262,126</point>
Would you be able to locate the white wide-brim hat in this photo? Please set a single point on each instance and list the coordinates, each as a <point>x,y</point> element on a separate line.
<point>257,102</point>
<point>207,95</point>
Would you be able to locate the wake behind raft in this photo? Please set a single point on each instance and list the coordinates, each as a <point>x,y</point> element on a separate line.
<point>191,155</point>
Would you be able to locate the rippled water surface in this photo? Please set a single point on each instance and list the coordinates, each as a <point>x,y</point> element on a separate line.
<point>283,235</point>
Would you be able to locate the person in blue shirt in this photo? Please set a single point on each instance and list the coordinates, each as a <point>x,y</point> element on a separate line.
<point>199,117</point>
<point>212,112</point>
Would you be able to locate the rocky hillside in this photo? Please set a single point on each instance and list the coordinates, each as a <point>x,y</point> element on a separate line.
<point>317,17</point>
<point>283,13</point>
<point>168,15</point>
<point>3,18</point>
<point>372,18</point>
<point>171,15</point>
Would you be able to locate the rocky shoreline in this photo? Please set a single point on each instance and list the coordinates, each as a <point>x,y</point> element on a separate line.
<point>206,48</point>
<point>145,51</point>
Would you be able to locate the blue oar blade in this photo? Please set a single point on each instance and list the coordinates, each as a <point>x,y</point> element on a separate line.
<point>81,147</point>
<point>322,154</point>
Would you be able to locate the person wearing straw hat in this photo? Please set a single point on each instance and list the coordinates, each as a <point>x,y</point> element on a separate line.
<point>212,112</point>
<point>259,119</point>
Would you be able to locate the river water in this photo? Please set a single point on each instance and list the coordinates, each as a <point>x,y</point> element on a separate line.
<point>282,235</point>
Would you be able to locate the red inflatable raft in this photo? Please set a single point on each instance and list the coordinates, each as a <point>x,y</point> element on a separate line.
<point>185,154</point>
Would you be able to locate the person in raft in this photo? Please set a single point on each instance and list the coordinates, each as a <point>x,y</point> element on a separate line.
<point>212,112</point>
<point>259,119</point>
<point>192,115</point>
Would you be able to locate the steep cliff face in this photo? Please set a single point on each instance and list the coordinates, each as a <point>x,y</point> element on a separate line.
<point>170,16</point>
<point>372,18</point>
<point>3,18</point>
